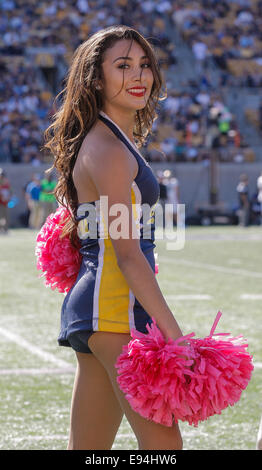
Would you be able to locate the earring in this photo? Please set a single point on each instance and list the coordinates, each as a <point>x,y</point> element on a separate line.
<point>98,87</point>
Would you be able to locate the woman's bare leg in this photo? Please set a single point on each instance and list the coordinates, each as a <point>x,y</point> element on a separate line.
<point>106,348</point>
<point>95,412</point>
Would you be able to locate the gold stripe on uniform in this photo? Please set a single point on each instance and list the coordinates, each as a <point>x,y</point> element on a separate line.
<point>114,292</point>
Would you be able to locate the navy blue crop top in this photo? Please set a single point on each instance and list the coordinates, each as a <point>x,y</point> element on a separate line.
<point>145,193</point>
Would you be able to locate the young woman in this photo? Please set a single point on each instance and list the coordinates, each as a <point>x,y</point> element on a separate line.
<point>95,139</point>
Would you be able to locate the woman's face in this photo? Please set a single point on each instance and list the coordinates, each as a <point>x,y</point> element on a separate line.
<point>122,73</point>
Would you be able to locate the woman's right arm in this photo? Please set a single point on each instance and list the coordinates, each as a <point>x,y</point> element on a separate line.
<point>142,281</point>
<point>112,174</point>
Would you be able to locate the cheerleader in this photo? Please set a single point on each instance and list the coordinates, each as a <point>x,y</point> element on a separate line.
<point>108,108</point>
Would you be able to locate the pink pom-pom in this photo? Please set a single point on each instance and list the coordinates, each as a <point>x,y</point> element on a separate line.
<point>156,264</point>
<point>187,379</point>
<point>58,260</point>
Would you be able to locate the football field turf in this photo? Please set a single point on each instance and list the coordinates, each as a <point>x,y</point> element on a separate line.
<point>219,268</point>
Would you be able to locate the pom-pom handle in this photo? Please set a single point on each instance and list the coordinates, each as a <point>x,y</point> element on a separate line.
<point>212,331</point>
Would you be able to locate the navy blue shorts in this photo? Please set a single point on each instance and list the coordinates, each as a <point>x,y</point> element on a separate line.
<point>78,341</point>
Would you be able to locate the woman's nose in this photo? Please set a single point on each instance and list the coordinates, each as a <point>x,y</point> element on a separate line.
<point>136,73</point>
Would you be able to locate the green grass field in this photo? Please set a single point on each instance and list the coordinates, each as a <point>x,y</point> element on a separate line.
<point>219,268</point>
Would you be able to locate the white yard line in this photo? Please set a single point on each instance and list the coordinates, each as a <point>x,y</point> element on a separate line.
<point>45,356</point>
<point>62,367</point>
<point>257,365</point>
<point>33,371</point>
<point>189,297</point>
<point>212,267</point>
<point>177,284</point>
<point>251,296</point>
<point>39,438</point>
<point>61,437</point>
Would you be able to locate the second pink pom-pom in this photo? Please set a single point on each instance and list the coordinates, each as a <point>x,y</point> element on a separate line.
<point>187,379</point>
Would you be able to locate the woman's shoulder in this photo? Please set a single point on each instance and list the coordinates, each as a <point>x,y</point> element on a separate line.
<point>96,158</point>
<point>98,140</point>
<point>101,147</point>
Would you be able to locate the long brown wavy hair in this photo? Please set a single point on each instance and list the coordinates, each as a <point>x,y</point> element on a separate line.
<point>80,104</point>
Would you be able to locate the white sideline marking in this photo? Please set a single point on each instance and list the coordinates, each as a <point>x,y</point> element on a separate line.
<point>251,296</point>
<point>179,284</point>
<point>34,349</point>
<point>189,297</point>
<point>257,365</point>
<point>58,437</point>
<point>38,438</point>
<point>212,267</point>
<point>32,371</point>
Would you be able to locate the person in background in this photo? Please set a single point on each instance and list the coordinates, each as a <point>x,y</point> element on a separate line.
<point>172,197</point>
<point>5,196</point>
<point>259,195</point>
<point>47,199</point>
<point>243,195</point>
<point>162,192</point>
<point>32,195</point>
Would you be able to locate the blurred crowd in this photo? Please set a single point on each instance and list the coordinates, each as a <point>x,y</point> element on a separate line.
<point>29,31</point>
<point>24,113</point>
<point>228,31</point>
<point>193,124</point>
<point>190,124</point>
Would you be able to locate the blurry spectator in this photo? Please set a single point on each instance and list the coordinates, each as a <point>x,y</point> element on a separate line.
<point>162,190</point>
<point>172,103</point>
<point>32,196</point>
<point>199,49</point>
<point>238,157</point>
<point>259,196</point>
<point>168,147</point>
<point>83,6</point>
<point>244,18</point>
<point>47,199</point>
<point>15,149</point>
<point>244,203</point>
<point>191,154</point>
<point>203,98</point>
<point>224,79</point>
<point>36,160</point>
<point>205,82</point>
<point>172,198</point>
<point>5,196</point>
<point>255,209</point>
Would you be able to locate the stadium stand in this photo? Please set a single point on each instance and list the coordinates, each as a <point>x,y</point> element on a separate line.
<point>229,31</point>
<point>229,34</point>
<point>38,39</point>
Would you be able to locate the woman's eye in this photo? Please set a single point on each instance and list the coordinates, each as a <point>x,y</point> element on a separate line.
<point>124,65</point>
